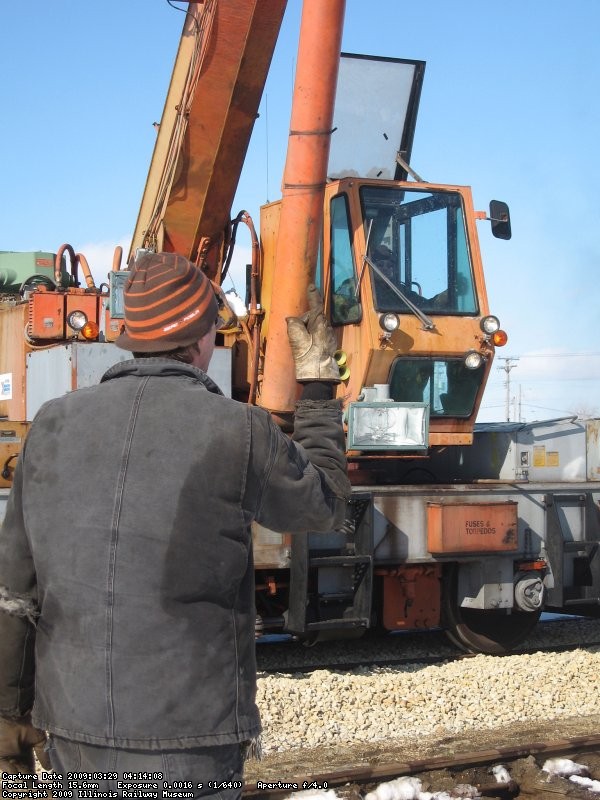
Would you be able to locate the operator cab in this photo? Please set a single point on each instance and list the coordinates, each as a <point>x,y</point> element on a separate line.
<point>418,242</point>
<point>404,283</point>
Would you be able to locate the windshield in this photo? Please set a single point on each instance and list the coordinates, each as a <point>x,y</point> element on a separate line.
<point>446,384</point>
<point>418,241</point>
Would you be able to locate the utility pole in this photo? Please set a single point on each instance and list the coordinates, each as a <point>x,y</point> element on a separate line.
<point>508,365</point>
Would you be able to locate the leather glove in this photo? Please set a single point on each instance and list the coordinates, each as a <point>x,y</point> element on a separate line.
<point>313,342</point>
<point>19,740</point>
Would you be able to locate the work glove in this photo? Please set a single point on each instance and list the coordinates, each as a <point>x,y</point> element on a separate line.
<point>313,342</point>
<point>19,741</point>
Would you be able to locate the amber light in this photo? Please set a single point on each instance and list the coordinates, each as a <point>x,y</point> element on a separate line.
<point>532,566</point>
<point>500,338</point>
<point>90,330</point>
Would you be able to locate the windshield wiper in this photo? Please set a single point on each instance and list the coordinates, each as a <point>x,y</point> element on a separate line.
<point>428,324</point>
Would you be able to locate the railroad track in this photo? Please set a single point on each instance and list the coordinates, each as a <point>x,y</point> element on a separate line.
<point>398,661</point>
<point>424,648</point>
<point>471,767</point>
<point>368,726</point>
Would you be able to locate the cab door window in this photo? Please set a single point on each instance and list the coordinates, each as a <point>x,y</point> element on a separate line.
<point>345,305</point>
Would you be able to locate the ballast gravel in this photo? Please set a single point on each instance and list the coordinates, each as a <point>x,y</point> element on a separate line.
<point>371,704</point>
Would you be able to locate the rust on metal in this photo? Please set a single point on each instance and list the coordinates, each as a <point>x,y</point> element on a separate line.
<point>471,527</point>
<point>13,320</point>
<point>12,436</point>
<point>411,596</point>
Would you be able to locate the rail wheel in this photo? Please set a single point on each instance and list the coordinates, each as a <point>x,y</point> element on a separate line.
<point>491,632</point>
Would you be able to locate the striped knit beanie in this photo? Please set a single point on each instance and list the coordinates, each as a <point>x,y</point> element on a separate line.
<point>169,303</point>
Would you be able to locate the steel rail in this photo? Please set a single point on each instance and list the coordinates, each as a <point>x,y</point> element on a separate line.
<point>457,761</point>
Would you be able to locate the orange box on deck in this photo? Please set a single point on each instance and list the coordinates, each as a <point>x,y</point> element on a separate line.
<point>471,527</point>
<point>12,436</point>
<point>47,315</point>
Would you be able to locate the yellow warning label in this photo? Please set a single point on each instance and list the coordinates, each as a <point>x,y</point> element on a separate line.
<point>552,458</point>
<point>539,455</point>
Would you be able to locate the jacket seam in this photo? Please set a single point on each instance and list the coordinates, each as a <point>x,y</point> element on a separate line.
<point>247,455</point>
<point>110,710</point>
<point>237,672</point>
<point>24,660</point>
<point>270,461</point>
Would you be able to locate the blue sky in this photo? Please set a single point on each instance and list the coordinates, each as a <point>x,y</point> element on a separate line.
<point>508,107</point>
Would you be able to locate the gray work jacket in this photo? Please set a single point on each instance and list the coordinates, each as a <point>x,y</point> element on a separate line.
<point>128,531</point>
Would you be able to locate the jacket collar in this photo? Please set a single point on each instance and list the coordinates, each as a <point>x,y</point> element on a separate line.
<point>161,368</point>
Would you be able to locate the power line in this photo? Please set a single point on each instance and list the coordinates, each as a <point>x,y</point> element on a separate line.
<point>489,406</point>
<point>549,408</point>
<point>553,380</point>
<point>558,355</point>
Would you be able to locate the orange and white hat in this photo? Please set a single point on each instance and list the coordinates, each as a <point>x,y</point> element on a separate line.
<point>168,302</point>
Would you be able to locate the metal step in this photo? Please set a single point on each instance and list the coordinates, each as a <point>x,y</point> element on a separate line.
<point>338,561</point>
<point>580,547</point>
<point>332,624</point>
<point>347,595</point>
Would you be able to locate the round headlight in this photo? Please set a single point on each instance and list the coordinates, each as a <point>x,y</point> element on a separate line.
<point>389,322</point>
<point>490,324</point>
<point>473,360</point>
<point>77,320</point>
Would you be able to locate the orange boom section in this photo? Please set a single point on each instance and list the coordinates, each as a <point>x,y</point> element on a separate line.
<point>303,190</point>
<point>217,83</point>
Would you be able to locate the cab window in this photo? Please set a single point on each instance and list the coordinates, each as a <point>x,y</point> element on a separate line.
<point>418,241</point>
<point>345,305</point>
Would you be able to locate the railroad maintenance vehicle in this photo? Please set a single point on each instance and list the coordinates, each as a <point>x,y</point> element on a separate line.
<point>475,529</point>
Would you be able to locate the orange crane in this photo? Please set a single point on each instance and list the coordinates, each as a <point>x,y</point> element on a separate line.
<point>473,531</point>
<point>212,102</point>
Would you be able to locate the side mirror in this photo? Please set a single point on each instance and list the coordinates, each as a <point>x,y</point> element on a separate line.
<point>500,219</point>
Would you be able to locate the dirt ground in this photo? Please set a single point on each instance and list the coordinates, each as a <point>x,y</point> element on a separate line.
<point>306,764</point>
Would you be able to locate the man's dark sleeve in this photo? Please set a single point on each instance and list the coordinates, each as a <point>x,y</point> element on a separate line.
<point>299,484</point>
<point>18,607</point>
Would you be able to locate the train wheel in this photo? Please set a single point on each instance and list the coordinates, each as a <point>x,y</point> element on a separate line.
<point>491,632</point>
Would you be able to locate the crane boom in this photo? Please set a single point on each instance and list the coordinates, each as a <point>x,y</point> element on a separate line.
<point>217,82</point>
